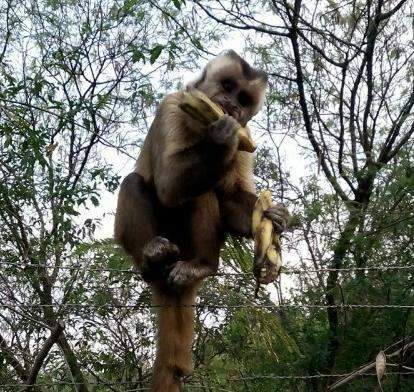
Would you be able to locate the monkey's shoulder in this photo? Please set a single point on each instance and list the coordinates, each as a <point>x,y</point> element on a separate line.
<point>171,131</point>
<point>169,107</point>
<point>171,120</point>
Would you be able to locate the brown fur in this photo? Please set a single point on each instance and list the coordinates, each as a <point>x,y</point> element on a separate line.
<point>190,187</point>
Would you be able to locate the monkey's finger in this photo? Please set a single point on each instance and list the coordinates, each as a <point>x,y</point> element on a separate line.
<point>279,222</point>
<point>276,214</point>
<point>180,276</point>
<point>280,208</point>
<point>226,122</point>
<point>223,131</point>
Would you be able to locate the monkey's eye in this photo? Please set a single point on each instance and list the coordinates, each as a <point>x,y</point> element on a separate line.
<point>228,84</point>
<point>244,99</point>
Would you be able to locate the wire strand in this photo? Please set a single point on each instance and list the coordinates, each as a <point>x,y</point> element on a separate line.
<point>247,378</point>
<point>294,271</point>
<point>63,383</point>
<point>212,306</point>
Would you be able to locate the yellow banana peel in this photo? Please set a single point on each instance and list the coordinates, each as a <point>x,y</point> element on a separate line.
<point>202,109</point>
<point>267,252</point>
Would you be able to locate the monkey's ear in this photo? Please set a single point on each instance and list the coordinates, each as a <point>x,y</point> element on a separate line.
<point>196,82</point>
<point>230,53</point>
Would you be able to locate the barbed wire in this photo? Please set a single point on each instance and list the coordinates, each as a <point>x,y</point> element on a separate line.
<point>285,270</point>
<point>77,268</point>
<point>141,305</point>
<point>308,377</point>
<point>66,383</point>
<point>246,378</point>
<point>207,306</point>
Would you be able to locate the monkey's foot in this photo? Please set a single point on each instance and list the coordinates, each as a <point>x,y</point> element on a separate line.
<point>158,255</point>
<point>159,249</point>
<point>182,274</point>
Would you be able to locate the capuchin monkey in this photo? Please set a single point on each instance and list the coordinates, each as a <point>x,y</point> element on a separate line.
<point>191,186</point>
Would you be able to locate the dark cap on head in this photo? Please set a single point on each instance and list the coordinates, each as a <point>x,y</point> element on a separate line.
<point>249,72</point>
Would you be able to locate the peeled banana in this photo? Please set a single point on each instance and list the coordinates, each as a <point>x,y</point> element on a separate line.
<point>267,252</point>
<point>204,110</point>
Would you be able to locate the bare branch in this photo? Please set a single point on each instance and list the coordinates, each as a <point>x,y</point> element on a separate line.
<point>14,362</point>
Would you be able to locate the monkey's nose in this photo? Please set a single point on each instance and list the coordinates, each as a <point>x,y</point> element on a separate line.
<point>229,108</point>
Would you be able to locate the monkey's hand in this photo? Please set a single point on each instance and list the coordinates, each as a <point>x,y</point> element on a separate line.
<point>280,217</point>
<point>224,131</point>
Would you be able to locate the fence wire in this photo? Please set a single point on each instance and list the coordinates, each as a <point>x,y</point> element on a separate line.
<point>74,384</point>
<point>201,305</point>
<point>191,384</point>
<point>285,270</point>
<point>208,306</point>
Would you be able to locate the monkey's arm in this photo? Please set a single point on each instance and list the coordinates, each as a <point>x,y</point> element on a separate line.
<point>236,211</point>
<point>189,160</point>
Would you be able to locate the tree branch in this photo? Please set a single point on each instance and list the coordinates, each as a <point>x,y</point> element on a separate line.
<point>41,355</point>
<point>363,369</point>
<point>14,362</point>
<point>302,101</point>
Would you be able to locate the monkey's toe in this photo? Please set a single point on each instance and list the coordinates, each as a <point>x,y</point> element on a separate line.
<point>181,275</point>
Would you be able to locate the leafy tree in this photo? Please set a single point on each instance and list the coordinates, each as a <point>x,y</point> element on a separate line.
<point>79,79</point>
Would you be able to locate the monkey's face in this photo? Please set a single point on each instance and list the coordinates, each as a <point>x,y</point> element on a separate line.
<point>235,88</point>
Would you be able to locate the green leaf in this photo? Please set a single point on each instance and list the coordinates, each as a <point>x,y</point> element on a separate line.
<point>95,201</point>
<point>87,123</point>
<point>177,4</point>
<point>37,87</point>
<point>137,55</point>
<point>155,53</point>
<point>197,43</point>
<point>103,99</point>
<point>8,141</point>
<point>129,5</point>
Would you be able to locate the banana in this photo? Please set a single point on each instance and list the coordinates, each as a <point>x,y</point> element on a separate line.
<point>190,110</point>
<point>245,141</point>
<point>264,201</point>
<point>267,252</point>
<point>204,110</point>
<point>274,257</point>
<point>263,239</point>
<point>256,217</point>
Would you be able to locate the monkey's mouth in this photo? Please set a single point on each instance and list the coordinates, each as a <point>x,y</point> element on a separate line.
<point>228,110</point>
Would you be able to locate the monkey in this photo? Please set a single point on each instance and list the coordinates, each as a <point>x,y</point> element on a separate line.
<point>190,188</point>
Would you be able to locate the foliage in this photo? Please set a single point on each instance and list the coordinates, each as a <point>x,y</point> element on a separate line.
<point>79,79</point>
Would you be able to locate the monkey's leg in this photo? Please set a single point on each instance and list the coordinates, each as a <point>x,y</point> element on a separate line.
<point>176,306</point>
<point>206,239</point>
<point>136,229</point>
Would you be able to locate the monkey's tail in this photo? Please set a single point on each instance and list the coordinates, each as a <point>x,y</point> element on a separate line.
<point>175,322</point>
